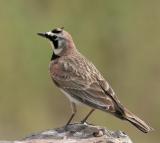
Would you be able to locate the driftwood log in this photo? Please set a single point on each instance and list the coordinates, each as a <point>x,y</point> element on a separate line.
<point>76,133</point>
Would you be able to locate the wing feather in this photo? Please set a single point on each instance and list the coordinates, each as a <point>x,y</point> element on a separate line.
<point>83,82</point>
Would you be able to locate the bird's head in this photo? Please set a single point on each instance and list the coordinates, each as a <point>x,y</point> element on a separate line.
<point>61,40</point>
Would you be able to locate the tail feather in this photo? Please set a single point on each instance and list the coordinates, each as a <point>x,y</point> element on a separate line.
<point>137,122</point>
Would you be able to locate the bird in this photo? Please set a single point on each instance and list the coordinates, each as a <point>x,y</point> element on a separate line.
<point>81,81</point>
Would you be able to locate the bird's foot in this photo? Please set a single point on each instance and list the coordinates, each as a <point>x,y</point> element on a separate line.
<point>66,127</point>
<point>84,122</point>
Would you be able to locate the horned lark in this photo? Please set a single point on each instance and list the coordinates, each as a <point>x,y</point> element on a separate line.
<point>81,82</point>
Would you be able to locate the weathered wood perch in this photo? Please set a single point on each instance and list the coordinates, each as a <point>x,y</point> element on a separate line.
<point>76,133</point>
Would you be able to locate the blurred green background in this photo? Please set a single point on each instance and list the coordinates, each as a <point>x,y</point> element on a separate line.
<point>122,38</point>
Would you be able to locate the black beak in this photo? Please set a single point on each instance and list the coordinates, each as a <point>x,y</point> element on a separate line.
<point>43,34</point>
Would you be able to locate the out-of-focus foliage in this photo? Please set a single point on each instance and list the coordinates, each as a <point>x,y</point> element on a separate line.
<point>120,37</point>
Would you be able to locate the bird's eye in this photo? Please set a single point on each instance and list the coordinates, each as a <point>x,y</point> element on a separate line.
<point>54,37</point>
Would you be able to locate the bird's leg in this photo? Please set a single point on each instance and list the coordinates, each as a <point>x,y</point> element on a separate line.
<point>74,110</point>
<point>85,119</point>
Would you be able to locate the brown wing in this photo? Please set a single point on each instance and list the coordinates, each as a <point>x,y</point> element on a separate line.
<point>119,108</point>
<point>83,82</point>
<point>94,97</point>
